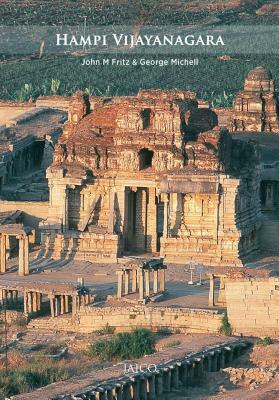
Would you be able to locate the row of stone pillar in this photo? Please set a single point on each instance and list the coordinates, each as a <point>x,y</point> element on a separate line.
<point>164,379</point>
<point>60,304</point>
<point>8,296</point>
<point>138,280</point>
<point>32,302</point>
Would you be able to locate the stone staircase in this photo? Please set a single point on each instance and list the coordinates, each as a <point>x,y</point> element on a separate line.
<point>62,323</point>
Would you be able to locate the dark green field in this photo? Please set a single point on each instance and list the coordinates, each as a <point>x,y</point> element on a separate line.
<point>212,79</point>
<point>105,12</point>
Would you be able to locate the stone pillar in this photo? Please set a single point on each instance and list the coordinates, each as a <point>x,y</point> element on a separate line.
<point>3,260</point>
<point>151,387</point>
<point>141,284</point>
<point>51,301</point>
<point>109,394</point>
<point>66,304</point>
<point>111,211</point>
<point>26,255</point>
<point>78,302</point>
<point>184,373</point>
<point>222,358</point>
<point>151,228</point>
<point>159,384</point>
<point>126,281</point>
<point>87,299</point>
<point>124,209</point>
<point>25,303</point>
<point>191,372</point>
<point>134,281</point>
<point>136,388</point>
<point>119,393</point>
<point>40,300</point>
<point>166,215</point>
<point>147,282</point>
<point>62,304</point>
<point>213,361</point>
<point>3,297</point>
<point>35,301</point>
<point>208,363</point>
<point>155,281</point>
<point>30,302</point>
<point>174,377</point>
<point>198,367</point>
<point>211,301</point>
<point>65,218</point>
<point>56,306</point>
<point>161,274</point>
<point>143,388</point>
<point>74,306</point>
<point>228,355</point>
<point>15,296</point>
<point>167,380</point>
<point>126,391</point>
<point>119,284</point>
<point>222,291</point>
<point>100,395</point>
<point>23,256</point>
<point>218,359</point>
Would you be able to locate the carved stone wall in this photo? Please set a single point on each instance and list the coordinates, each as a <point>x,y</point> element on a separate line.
<point>255,108</point>
<point>132,176</point>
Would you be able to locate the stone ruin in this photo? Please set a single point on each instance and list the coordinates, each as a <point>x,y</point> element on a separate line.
<point>154,173</point>
<point>256,108</point>
<point>141,282</point>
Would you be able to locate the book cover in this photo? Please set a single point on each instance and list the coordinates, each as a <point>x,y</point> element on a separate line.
<point>139,195</point>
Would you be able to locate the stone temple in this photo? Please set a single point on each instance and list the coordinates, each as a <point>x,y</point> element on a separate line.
<point>160,173</point>
<point>157,173</point>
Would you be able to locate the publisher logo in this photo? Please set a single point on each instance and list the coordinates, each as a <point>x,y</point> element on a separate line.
<point>134,368</point>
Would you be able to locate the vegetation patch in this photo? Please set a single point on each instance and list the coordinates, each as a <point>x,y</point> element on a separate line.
<point>266,341</point>
<point>107,330</point>
<point>225,327</point>
<point>134,344</point>
<point>26,375</point>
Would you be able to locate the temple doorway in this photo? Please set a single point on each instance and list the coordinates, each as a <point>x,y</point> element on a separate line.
<point>140,224</point>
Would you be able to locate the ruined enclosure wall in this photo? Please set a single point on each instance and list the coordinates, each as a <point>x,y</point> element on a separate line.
<point>253,306</point>
<point>12,110</point>
<point>34,212</point>
<point>58,102</point>
<point>155,318</point>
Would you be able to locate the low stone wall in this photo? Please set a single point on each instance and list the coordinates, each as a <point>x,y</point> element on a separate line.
<point>58,102</point>
<point>9,111</point>
<point>253,306</point>
<point>13,317</point>
<point>184,320</point>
